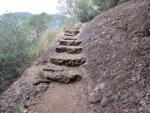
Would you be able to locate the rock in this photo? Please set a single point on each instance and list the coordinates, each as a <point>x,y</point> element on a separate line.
<point>67,34</point>
<point>99,87</point>
<point>67,61</point>
<point>40,81</point>
<point>25,111</point>
<point>69,42</point>
<point>94,98</point>
<point>52,69</point>
<point>69,38</point>
<point>69,50</point>
<point>71,31</point>
<point>64,78</point>
<point>106,101</point>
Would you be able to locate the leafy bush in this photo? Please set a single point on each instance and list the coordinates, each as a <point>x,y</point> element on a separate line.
<point>40,44</point>
<point>19,46</point>
<point>18,110</point>
<point>107,4</point>
<point>69,22</point>
<point>85,10</point>
<point>149,6</point>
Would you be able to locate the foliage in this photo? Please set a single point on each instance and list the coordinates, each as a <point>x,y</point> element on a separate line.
<point>19,45</point>
<point>38,23</point>
<point>67,7</point>
<point>18,110</point>
<point>40,44</point>
<point>82,9</point>
<point>107,4</point>
<point>85,10</point>
<point>149,6</point>
<point>69,22</point>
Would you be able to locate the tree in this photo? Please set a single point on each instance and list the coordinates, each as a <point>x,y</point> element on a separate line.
<point>20,43</point>
<point>38,23</point>
<point>149,6</point>
<point>13,49</point>
<point>85,10</point>
<point>67,7</point>
<point>107,4</point>
<point>82,9</point>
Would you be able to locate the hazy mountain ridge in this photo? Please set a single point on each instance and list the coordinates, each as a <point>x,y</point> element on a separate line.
<point>54,24</point>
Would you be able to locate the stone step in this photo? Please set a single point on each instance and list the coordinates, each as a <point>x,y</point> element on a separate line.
<point>70,43</point>
<point>69,49</point>
<point>76,32</point>
<point>71,31</point>
<point>56,68</point>
<point>68,34</point>
<point>52,69</point>
<point>62,77</point>
<point>69,38</point>
<point>67,60</point>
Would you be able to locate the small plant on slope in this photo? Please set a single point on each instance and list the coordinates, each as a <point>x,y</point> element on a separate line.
<point>18,110</point>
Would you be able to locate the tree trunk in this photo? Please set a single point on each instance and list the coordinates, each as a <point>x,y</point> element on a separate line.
<point>37,34</point>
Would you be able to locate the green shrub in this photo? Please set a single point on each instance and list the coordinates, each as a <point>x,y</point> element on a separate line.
<point>69,22</point>
<point>18,110</point>
<point>18,48</point>
<point>86,10</point>
<point>149,6</point>
<point>40,44</point>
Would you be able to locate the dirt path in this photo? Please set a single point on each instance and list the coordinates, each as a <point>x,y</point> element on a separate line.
<point>62,99</point>
<point>66,79</point>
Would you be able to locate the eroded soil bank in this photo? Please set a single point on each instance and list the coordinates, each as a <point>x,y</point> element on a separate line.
<point>117,49</point>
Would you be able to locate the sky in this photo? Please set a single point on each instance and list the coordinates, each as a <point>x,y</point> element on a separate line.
<point>32,6</point>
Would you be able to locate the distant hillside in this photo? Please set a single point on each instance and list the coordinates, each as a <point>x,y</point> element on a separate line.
<point>22,14</point>
<point>54,24</point>
<point>56,21</point>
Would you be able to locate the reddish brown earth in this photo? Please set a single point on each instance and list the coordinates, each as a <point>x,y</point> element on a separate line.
<point>114,77</point>
<point>117,49</point>
<point>56,83</point>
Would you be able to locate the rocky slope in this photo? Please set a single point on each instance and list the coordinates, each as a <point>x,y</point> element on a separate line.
<point>117,48</point>
<point>104,69</point>
<point>55,83</point>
